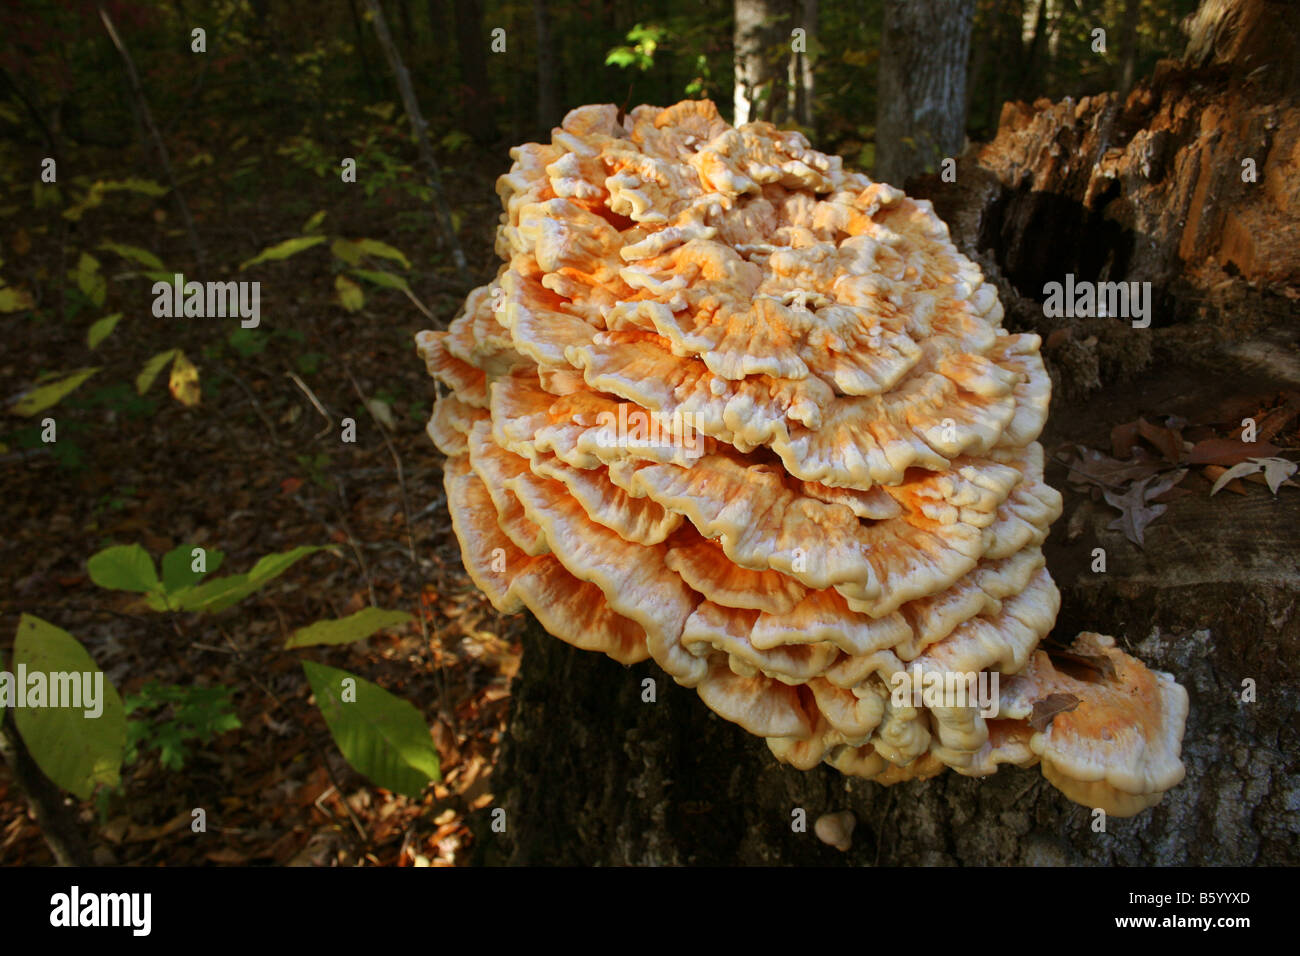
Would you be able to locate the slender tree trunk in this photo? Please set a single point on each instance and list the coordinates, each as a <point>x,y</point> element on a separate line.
<point>441,210</point>
<point>163,156</point>
<point>755,75</point>
<point>366,69</point>
<point>921,116</point>
<point>802,83</point>
<point>548,108</point>
<point>1128,44</point>
<point>472,47</point>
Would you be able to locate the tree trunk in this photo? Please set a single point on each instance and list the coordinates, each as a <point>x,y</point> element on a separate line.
<point>472,47</point>
<point>592,773</point>
<point>548,104</point>
<point>804,82</point>
<point>921,116</point>
<point>756,73</point>
<point>1128,46</point>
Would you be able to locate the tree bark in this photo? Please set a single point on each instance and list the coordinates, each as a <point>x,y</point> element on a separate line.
<point>472,46</point>
<point>1128,46</point>
<point>921,117</point>
<point>548,103</point>
<point>756,72</point>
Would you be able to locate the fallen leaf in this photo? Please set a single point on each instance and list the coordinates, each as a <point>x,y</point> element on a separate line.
<point>1049,707</point>
<point>1167,441</point>
<point>1276,471</point>
<point>1123,438</point>
<point>1136,509</point>
<point>1228,451</point>
<point>1087,465</point>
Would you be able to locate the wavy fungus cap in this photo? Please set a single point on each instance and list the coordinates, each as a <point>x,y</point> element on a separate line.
<point>730,407</point>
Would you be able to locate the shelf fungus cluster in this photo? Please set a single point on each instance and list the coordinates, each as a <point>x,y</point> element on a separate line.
<point>731,407</point>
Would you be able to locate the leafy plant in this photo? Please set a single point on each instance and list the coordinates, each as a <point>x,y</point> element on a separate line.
<point>169,718</point>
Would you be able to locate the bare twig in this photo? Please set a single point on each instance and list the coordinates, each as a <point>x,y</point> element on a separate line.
<point>329,421</point>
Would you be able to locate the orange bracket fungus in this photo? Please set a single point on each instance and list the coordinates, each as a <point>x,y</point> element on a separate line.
<point>731,407</point>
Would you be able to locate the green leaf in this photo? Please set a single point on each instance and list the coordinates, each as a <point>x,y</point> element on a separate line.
<point>347,250</point>
<point>384,279</point>
<point>151,370</point>
<point>221,593</point>
<point>178,564</point>
<point>344,630</point>
<point>101,329</point>
<point>215,595</point>
<point>620,56</point>
<point>283,250</point>
<point>77,752</point>
<point>312,224</point>
<point>373,247</point>
<point>273,565</point>
<point>15,300</point>
<point>143,256</point>
<point>350,295</point>
<point>146,187</point>
<point>51,393</point>
<point>124,567</point>
<point>382,736</point>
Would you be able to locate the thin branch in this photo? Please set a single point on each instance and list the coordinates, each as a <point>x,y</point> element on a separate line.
<point>329,421</point>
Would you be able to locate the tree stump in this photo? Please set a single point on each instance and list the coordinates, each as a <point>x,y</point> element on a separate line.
<point>1150,188</point>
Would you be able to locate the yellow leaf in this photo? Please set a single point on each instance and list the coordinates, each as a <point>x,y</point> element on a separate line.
<point>350,295</point>
<point>184,381</point>
<point>15,300</point>
<point>50,392</point>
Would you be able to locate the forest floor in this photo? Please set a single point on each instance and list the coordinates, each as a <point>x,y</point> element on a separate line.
<point>254,468</point>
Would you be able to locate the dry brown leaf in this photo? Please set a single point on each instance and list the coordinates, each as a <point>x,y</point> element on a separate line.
<point>1167,441</point>
<point>1136,507</point>
<point>1047,708</point>
<point>1228,451</point>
